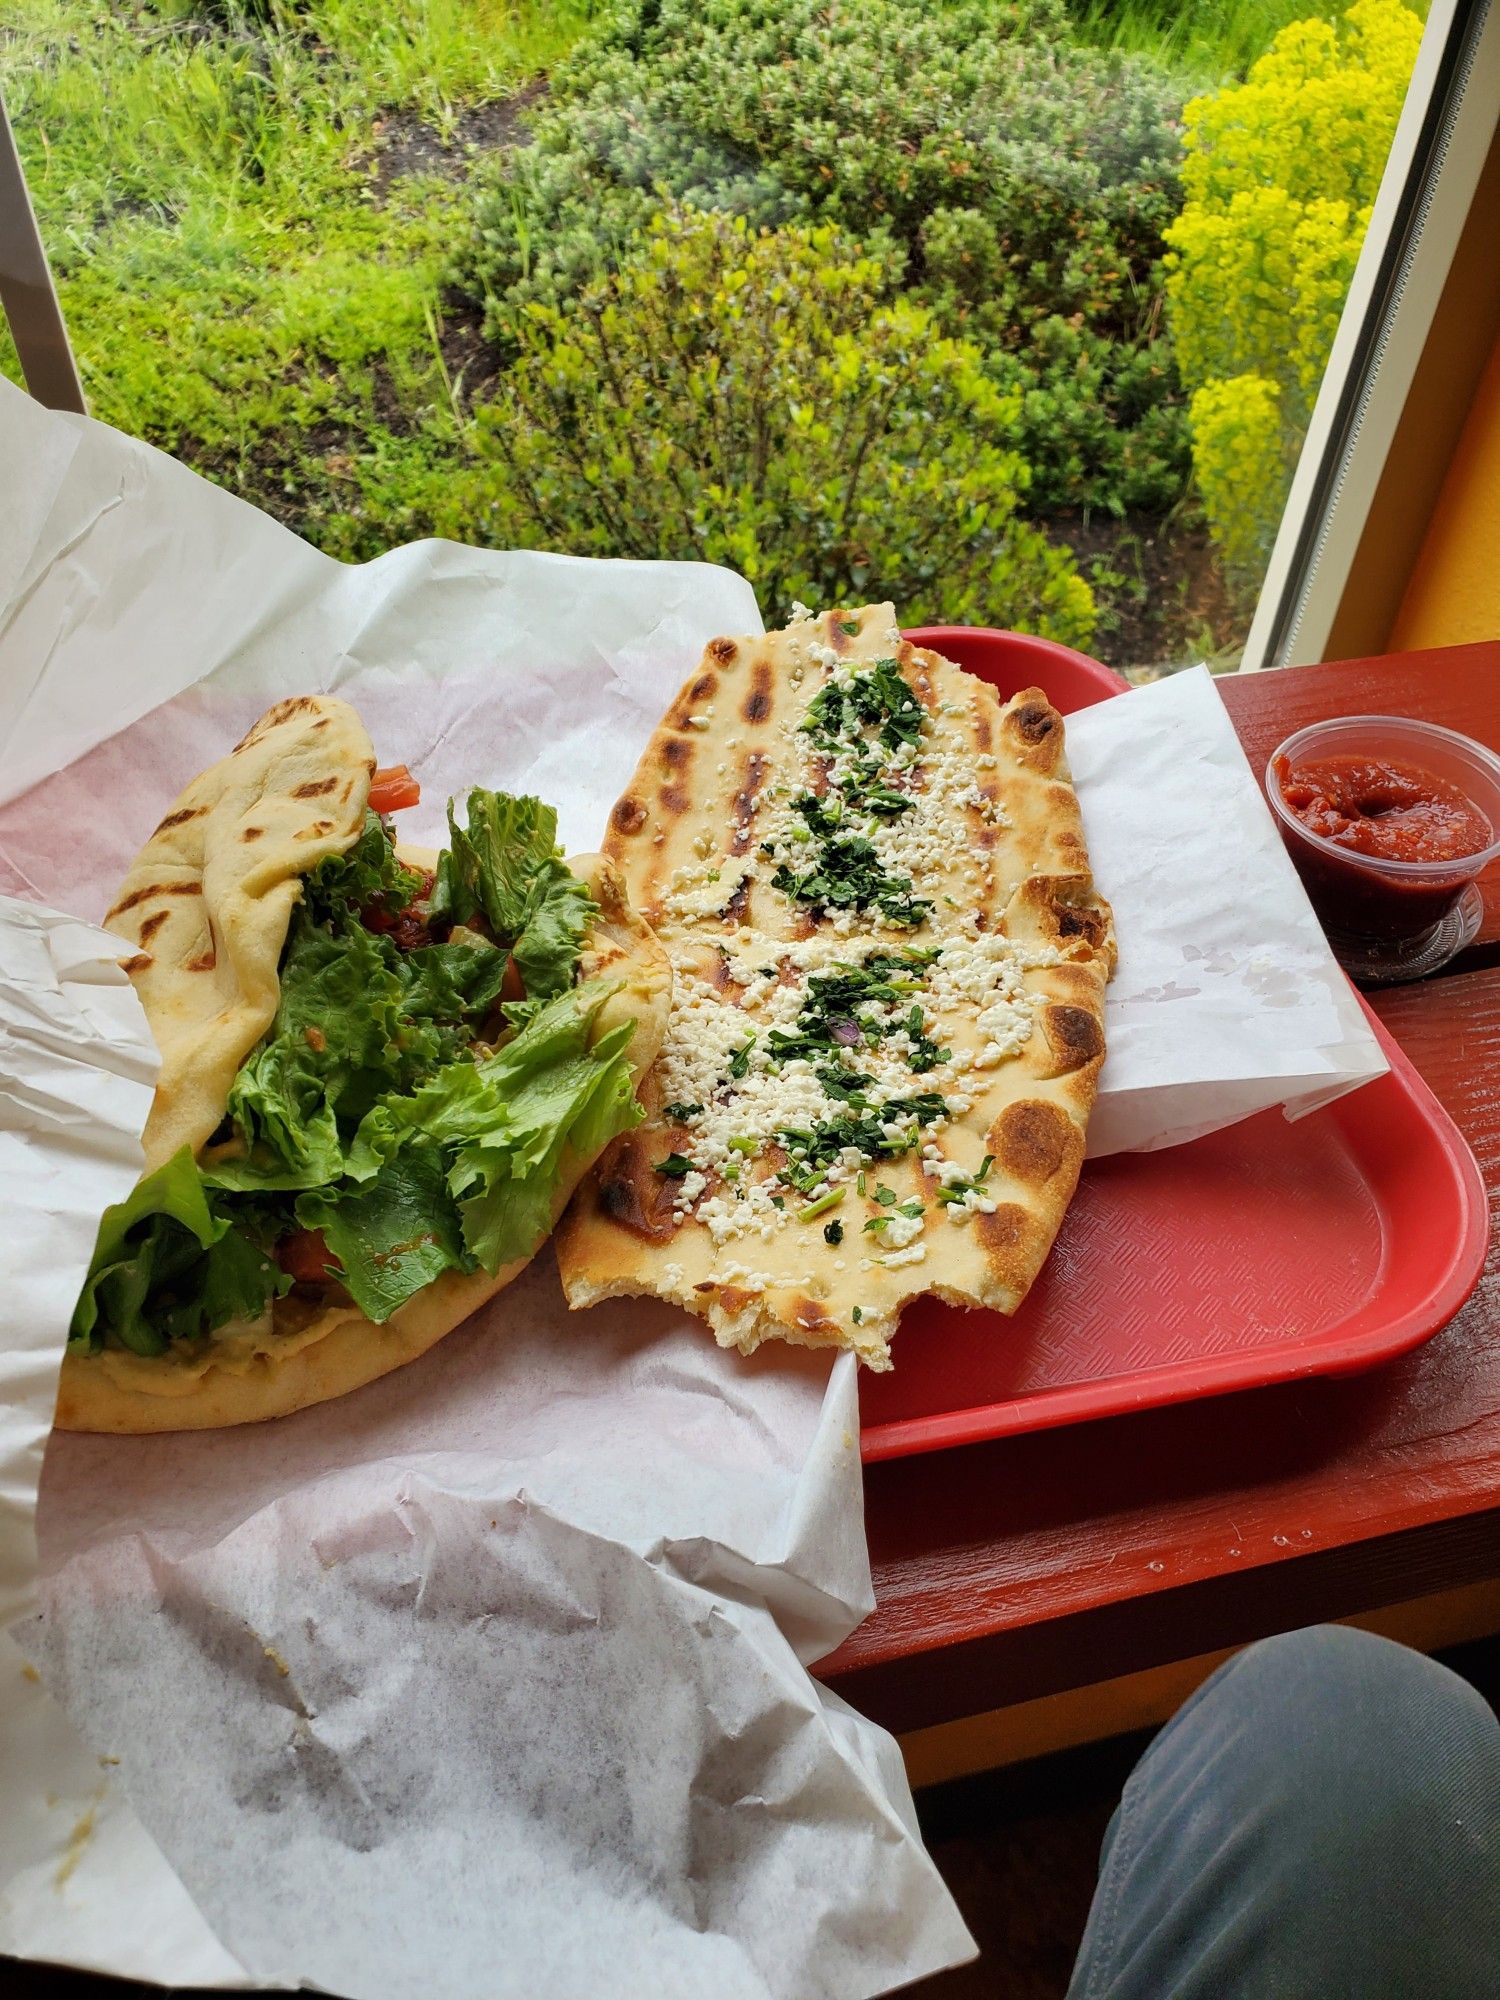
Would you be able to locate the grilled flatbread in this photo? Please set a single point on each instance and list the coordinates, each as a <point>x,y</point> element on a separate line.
<point>209,897</point>
<point>889,962</point>
<point>208,906</point>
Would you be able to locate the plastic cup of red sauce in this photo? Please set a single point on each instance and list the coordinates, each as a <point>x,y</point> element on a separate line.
<point>1388,822</point>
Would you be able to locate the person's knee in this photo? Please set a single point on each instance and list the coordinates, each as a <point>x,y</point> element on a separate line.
<point>1335,1736</point>
<point>1355,1687</point>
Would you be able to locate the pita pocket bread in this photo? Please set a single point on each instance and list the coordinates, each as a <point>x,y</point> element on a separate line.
<point>383,1073</point>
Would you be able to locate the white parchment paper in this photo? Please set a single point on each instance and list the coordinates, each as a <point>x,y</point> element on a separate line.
<point>492,1677</point>
<point>1226,999</point>
<point>77,1069</point>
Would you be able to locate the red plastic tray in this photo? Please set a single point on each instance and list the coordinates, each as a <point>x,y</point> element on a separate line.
<point>1256,1255</point>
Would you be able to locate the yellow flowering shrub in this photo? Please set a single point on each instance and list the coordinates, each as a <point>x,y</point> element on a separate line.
<point>1280,175</point>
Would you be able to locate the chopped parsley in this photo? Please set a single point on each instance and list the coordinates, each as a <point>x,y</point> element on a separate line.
<point>847,1085</point>
<point>910,1209</point>
<point>682,1112</point>
<point>830,1016</point>
<point>833,1232</point>
<point>676,1166</point>
<point>812,1149</point>
<point>924,1106</point>
<point>846,874</point>
<point>876,698</point>
<point>885,802</point>
<point>925,1052</point>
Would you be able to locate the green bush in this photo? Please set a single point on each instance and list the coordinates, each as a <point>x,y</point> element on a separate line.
<point>1280,175</point>
<point>1026,179</point>
<point>759,398</point>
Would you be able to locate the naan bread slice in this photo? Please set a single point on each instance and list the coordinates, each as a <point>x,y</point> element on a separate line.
<point>996,802</point>
<point>209,898</point>
<point>1000,942</point>
<point>312,1354</point>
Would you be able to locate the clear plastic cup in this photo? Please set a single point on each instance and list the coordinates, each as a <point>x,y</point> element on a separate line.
<point>1390,920</point>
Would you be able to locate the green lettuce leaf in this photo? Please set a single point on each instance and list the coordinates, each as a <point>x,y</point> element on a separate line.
<point>559,1094</point>
<point>506,866</point>
<point>504,1122</point>
<point>452,985</point>
<point>394,1236</point>
<point>340,1040</point>
<point>340,886</point>
<point>357,1019</point>
<point>170,1265</point>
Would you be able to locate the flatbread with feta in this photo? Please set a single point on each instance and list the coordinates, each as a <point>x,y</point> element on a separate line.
<point>889,963</point>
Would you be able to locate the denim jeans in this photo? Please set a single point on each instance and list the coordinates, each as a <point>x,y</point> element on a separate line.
<point>1321,1821</point>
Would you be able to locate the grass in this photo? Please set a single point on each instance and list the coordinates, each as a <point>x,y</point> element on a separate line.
<point>242,285</point>
<point>1207,41</point>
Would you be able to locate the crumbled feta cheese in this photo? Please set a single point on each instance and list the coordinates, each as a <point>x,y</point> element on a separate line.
<point>917,1254</point>
<point>901,1230</point>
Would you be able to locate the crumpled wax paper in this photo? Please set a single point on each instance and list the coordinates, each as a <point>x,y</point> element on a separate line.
<point>490,1679</point>
<point>493,1675</point>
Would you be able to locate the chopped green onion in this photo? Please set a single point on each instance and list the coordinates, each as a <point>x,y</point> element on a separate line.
<point>885,1196</point>
<point>681,1112</point>
<point>821,1206</point>
<point>675,1166</point>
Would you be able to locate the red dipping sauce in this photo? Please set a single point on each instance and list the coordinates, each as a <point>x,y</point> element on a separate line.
<point>1388,821</point>
<point>1376,805</point>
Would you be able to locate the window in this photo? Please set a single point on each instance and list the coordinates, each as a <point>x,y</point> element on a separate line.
<point>1016,311</point>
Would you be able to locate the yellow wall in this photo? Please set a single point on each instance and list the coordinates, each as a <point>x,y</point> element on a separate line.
<point>1454,593</point>
<point>1142,1700</point>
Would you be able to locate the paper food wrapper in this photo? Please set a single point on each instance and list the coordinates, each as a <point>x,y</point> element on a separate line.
<point>1226,999</point>
<point>492,1677</point>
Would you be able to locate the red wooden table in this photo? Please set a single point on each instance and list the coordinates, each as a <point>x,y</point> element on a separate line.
<point>1056,1561</point>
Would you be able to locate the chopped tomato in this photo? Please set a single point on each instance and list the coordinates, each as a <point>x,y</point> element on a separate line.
<point>392,788</point>
<point>405,928</point>
<point>512,986</point>
<point>305,1257</point>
